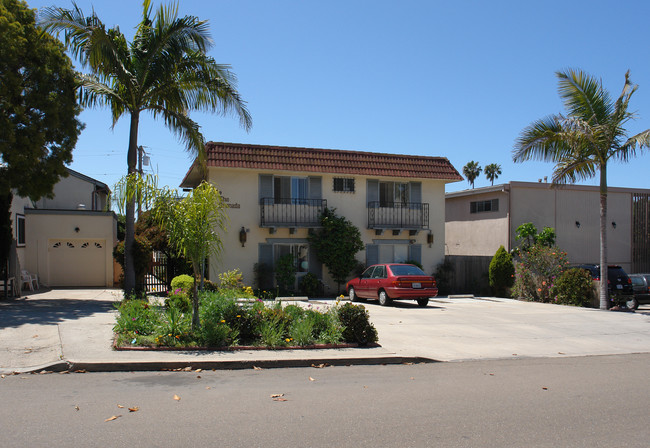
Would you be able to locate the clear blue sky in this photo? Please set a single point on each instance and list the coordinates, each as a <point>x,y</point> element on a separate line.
<point>457,79</point>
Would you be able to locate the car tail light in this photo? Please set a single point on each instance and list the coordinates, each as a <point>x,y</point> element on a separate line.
<point>629,281</point>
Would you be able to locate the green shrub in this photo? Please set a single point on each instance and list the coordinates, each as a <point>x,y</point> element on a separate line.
<point>311,286</point>
<point>356,324</point>
<point>327,326</point>
<point>137,317</point>
<point>263,276</point>
<point>501,272</point>
<point>443,275</point>
<point>573,287</point>
<point>302,330</point>
<point>272,332</point>
<point>285,273</point>
<point>231,279</point>
<point>536,271</point>
<point>183,282</point>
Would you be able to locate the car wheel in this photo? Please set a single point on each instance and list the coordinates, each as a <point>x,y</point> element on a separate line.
<point>353,295</point>
<point>384,300</point>
<point>423,301</point>
<point>632,303</point>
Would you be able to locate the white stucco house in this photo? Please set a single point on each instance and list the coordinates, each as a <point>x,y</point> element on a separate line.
<point>276,194</point>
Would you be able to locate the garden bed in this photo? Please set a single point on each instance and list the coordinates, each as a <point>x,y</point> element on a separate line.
<point>228,323</point>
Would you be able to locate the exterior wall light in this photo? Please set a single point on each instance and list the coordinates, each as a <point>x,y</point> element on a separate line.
<point>429,239</point>
<point>76,229</point>
<point>242,236</point>
<point>614,224</point>
<point>578,224</point>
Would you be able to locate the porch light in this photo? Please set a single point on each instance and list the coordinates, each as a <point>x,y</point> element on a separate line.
<point>614,224</point>
<point>578,224</point>
<point>242,236</point>
<point>429,239</point>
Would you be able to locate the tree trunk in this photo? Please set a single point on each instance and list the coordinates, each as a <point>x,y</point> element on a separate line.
<point>129,232</point>
<point>604,302</point>
<point>196,321</point>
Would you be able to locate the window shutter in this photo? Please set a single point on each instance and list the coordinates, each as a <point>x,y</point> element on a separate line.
<point>372,254</point>
<point>416,192</point>
<point>415,253</point>
<point>315,188</point>
<point>266,186</point>
<point>372,193</point>
<point>315,265</point>
<point>266,254</point>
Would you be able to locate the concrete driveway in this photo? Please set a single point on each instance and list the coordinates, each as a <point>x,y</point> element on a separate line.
<point>490,328</point>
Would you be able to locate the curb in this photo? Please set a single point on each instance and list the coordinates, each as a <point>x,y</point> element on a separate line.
<point>239,365</point>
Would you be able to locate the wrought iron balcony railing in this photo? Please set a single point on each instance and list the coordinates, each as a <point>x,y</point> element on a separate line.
<point>290,212</point>
<point>398,215</point>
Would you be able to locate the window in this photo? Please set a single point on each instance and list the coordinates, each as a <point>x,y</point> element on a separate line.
<point>344,184</point>
<point>491,205</point>
<point>289,188</point>
<point>393,192</point>
<point>20,230</point>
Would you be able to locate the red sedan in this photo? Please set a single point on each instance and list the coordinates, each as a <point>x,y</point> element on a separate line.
<point>386,282</point>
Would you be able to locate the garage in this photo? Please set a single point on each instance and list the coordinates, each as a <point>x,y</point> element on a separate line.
<point>77,262</point>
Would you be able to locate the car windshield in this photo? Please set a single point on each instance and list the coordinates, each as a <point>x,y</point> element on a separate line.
<point>406,269</point>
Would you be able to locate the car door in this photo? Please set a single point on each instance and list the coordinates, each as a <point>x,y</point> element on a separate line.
<point>363,286</point>
<point>377,281</point>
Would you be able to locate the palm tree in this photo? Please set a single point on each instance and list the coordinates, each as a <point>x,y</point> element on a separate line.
<point>164,70</point>
<point>582,142</point>
<point>472,171</point>
<point>492,171</point>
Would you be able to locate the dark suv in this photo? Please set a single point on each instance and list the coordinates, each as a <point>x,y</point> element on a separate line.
<point>641,285</point>
<point>619,285</point>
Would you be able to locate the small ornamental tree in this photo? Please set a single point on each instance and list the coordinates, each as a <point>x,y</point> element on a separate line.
<point>193,224</point>
<point>336,243</point>
<point>502,272</point>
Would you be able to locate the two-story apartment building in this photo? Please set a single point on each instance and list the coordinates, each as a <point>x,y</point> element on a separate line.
<point>276,194</point>
<point>479,220</point>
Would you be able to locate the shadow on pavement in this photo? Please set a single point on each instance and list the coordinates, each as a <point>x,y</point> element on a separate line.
<point>28,310</point>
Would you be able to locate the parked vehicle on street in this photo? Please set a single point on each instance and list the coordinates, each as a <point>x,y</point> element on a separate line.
<point>386,282</point>
<point>619,284</point>
<point>641,286</point>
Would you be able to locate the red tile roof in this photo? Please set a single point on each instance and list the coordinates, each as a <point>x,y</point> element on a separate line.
<point>282,158</point>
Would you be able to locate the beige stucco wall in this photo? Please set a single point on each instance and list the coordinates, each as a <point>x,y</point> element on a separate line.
<point>560,208</point>
<point>240,187</point>
<point>70,192</point>
<point>476,233</point>
<point>46,227</point>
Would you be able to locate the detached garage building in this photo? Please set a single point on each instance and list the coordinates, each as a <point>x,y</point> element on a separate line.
<point>67,240</point>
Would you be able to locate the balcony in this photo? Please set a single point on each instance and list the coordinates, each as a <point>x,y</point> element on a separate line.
<point>398,215</point>
<point>291,212</point>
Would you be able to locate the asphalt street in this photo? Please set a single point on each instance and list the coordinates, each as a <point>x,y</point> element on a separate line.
<point>590,401</point>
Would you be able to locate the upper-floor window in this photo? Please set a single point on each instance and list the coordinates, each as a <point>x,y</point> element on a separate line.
<point>20,230</point>
<point>491,205</point>
<point>344,184</point>
<point>393,192</point>
<point>285,187</point>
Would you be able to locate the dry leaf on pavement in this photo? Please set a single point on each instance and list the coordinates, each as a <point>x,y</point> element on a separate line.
<point>120,406</point>
<point>277,395</point>
<point>115,417</point>
<point>280,399</point>
<point>257,368</point>
<point>177,398</point>
<point>134,409</point>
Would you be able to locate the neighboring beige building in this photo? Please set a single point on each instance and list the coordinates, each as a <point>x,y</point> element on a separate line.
<point>67,240</point>
<point>478,221</point>
<point>276,194</point>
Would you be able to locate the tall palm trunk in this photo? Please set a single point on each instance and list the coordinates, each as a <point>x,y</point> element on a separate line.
<point>129,232</point>
<point>603,238</point>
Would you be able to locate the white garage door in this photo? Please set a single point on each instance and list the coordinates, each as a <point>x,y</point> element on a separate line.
<point>77,262</point>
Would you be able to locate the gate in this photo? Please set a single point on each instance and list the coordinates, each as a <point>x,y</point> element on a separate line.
<point>157,280</point>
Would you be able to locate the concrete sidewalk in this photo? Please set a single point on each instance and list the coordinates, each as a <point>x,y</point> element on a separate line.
<point>72,329</point>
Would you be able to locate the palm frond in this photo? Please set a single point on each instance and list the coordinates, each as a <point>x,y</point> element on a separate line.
<point>544,140</point>
<point>584,96</point>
